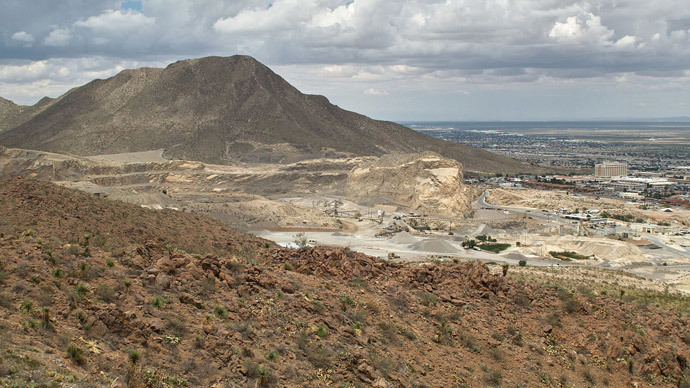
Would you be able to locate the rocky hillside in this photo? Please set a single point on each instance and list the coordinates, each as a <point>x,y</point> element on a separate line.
<point>422,183</point>
<point>220,110</point>
<point>33,207</point>
<point>11,114</point>
<point>77,313</point>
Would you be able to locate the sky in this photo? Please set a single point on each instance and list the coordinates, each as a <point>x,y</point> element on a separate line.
<point>401,60</point>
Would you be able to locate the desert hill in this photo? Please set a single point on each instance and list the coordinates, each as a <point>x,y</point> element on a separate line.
<point>35,207</point>
<point>11,114</point>
<point>79,314</point>
<point>219,110</point>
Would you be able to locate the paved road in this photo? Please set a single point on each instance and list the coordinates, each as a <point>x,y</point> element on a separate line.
<point>538,215</point>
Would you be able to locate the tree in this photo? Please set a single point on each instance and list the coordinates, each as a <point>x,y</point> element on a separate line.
<point>300,240</point>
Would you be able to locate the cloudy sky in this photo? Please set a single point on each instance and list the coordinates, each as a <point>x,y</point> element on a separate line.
<point>389,59</point>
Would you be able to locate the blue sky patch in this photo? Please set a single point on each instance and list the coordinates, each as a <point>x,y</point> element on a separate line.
<point>134,5</point>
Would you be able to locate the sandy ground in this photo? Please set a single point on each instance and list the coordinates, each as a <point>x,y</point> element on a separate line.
<point>132,157</point>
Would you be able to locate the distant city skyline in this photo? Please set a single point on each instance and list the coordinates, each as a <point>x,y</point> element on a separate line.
<point>412,60</point>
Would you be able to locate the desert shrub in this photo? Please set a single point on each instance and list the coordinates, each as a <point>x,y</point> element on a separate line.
<point>496,354</point>
<point>389,332</point>
<point>319,306</point>
<point>300,239</point>
<point>409,334</point>
<point>73,250</point>
<point>99,240</point>
<point>358,283</point>
<point>322,331</point>
<point>287,266</point>
<point>317,355</point>
<point>105,293</point>
<point>554,319</point>
<point>399,301</point>
<point>263,376</point>
<point>357,317</point>
<point>243,327</point>
<point>220,311</point>
<point>346,301</point>
<point>493,378</point>
<point>498,337</point>
<point>570,304</point>
<point>76,353</point>
<point>26,307</point>
<point>199,342</point>
<point>522,263</point>
<point>5,300</point>
<point>110,263</point>
<point>272,355</point>
<point>134,356</point>
<point>177,326</point>
<point>427,298</point>
<point>80,290</point>
<point>444,333</point>
<point>544,378</point>
<point>469,342</point>
<point>157,302</point>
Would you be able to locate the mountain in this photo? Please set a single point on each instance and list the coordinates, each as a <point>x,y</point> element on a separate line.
<point>220,110</point>
<point>99,293</point>
<point>11,114</point>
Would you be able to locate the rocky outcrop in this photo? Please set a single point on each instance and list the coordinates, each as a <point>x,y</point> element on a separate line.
<point>423,183</point>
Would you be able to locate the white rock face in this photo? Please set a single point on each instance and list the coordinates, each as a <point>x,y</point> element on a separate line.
<point>423,183</point>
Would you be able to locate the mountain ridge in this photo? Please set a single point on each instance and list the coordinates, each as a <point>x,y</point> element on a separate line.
<point>221,110</point>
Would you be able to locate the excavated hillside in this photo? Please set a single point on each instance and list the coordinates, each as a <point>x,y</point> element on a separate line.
<point>424,183</point>
<point>220,110</point>
<point>81,314</point>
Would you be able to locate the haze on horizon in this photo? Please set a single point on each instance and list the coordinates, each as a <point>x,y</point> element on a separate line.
<point>405,61</point>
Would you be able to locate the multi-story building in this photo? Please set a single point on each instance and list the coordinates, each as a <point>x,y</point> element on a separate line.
<point>610,169</point>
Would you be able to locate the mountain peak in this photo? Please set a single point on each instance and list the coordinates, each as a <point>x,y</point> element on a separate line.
<point>220,110</point>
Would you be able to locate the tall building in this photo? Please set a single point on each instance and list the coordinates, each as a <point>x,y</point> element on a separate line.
<point>610,169</point>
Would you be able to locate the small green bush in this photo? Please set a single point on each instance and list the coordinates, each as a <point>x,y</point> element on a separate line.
<point>134,356</point>
<point>220,311</point>
<point>157,302</point>
<point>322,331</point>
<point>76,353</point>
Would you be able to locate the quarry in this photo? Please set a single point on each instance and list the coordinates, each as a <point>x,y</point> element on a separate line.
<point>403,207</point>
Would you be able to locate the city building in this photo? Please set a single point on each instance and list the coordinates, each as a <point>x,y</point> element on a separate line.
<point>610,169</point>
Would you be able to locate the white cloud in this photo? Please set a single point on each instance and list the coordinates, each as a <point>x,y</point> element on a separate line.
<point>375,92</point>
<point>22,73</point>
<point>582,29</point>
<point>626,42</point>
<point>58,37</point>
<point>24,37</point>
<point>117,23</point>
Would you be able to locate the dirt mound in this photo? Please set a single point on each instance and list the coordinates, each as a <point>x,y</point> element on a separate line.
<point>515,256</point>
<point>434,245</point>
<point>151,316</point>
<point>404,238</point>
